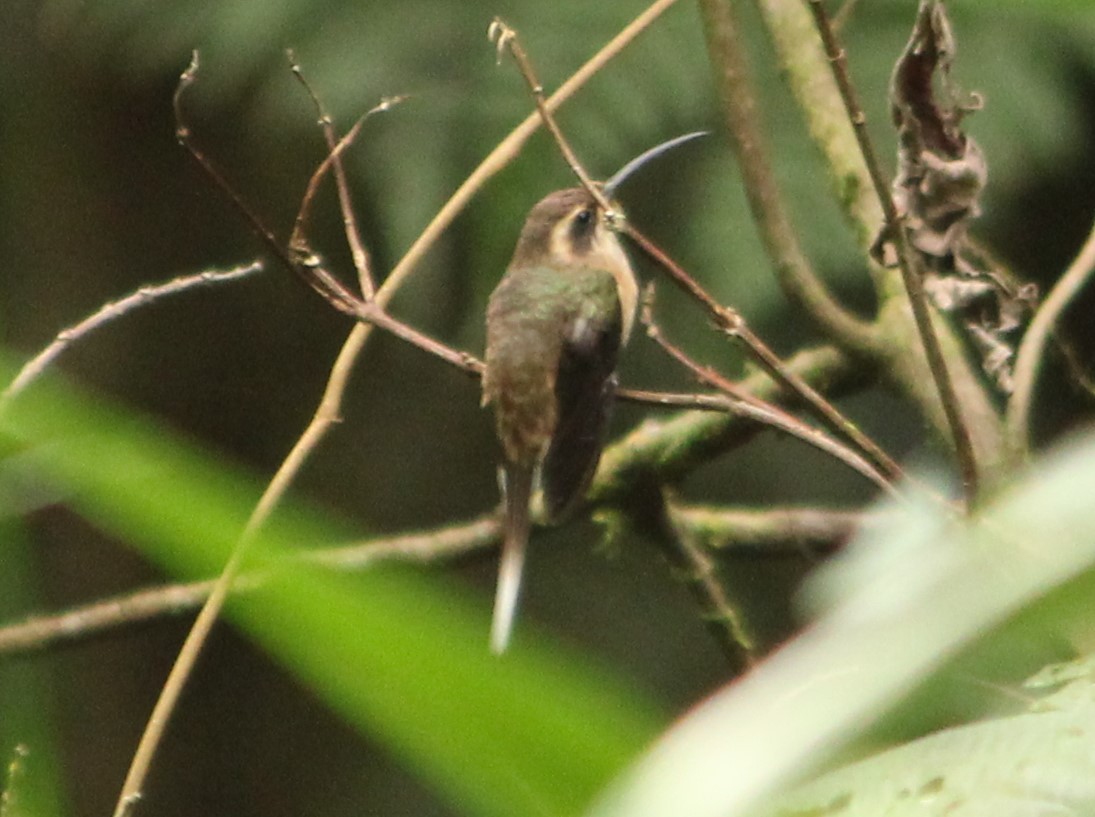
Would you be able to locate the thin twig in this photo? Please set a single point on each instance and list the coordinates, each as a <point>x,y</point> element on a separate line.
<point>1031,352</point>
<point>43,632</point>
<point>308,269</point>
<point>673,447</point>
<point>307,265</point>
<point>335,148</point>
<point>666,399</point>
<point>133,786</point>
<point>372,313</point>
<point>745,404</point>
<point>112,311</point>
<point>505,37</point>
<point>731,322</point>
<point>504,153</point>
<point>736,532</point>
<point>907,260</point>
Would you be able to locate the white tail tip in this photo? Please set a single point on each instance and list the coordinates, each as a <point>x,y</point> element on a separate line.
<point>507,594</point>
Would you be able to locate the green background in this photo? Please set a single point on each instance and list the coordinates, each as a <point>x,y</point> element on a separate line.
<point>96,199</point>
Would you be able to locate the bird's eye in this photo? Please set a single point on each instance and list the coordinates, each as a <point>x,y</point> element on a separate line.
<point>582,227</point>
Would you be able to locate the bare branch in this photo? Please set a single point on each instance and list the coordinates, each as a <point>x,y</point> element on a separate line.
<point>308,267</point>
<point>372,313</point>
<point>505,37</point>
<point>664,399</point>
<point>44,632</point>
<point>1031,351</point>
<point>508,148</point>
<point>732,323</point>
<point>112,311</point>
<point>185,138</point>
<point>770,533</point>
<point>336,147</point>
<point>738,532</point>
<point>305,266</point>
<point>670,448</point>
<point>744,404</point>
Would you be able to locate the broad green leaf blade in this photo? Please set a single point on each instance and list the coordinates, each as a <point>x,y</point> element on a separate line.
<point>538,731</point>
<point>1038,763</point>
<point>937,591</point>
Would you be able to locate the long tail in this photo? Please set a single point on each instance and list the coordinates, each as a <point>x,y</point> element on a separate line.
<point>517,490</point>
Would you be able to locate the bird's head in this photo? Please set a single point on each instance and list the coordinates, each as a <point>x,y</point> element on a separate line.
<point>566,229</point>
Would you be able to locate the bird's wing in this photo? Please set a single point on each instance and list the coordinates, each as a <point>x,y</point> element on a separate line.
<point>584,391</point>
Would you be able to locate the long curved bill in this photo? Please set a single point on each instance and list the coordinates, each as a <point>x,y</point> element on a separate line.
<point>627,170</point>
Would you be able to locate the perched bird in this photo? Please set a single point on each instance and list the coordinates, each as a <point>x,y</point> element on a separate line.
<point>555,325</point>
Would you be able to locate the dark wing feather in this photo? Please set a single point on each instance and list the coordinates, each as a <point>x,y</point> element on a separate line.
<point>584,390</point>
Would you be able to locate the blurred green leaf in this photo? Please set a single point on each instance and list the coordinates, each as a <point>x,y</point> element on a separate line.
<point>34,784</point>
<point>910,598</point>
<point>397,654</point>
<point>1038,763</point>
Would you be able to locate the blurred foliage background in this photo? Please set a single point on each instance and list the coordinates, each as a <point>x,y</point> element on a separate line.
<point>96,199</point>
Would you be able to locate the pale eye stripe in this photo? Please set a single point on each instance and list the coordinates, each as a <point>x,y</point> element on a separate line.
<point>561,247</point>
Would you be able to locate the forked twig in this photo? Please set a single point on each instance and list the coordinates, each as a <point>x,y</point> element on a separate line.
<point>744,404</point>
<point>308,270</point>
<point>731,322</point>
<point>300,260</point>
<point>907,260</point>
<point>335,148</point>
<point>144,296</point>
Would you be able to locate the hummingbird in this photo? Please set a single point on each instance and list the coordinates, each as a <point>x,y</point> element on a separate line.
<point>556,323</point>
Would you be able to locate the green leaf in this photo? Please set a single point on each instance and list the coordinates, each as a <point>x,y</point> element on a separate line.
<point>910,598</point>
<point>1036,763</point>
<point>400,656</point>
<point>32,785</point>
